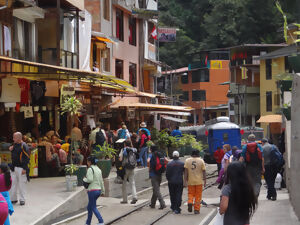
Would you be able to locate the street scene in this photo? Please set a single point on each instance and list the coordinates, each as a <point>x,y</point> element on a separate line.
<point>149,112</point>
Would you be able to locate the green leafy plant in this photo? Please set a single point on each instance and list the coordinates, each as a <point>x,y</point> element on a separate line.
<point>163,139</point>
<point>150,144</point>
<point>71,105</point>
<point>189,139</point>
<point>105,151</point>
<point>71,169</point>
<point>198,146</point>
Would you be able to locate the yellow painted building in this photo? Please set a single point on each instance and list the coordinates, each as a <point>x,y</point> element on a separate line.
<point>270,93</point>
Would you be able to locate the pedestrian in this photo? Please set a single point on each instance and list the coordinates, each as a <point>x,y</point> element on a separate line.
<point>19,167</point>
<point>236,154</point>
<point>128,156</point>
<point>218,156</point>
<point>174,174</point>
<point>195,179</point>
<point>238,201</point>
<point>176,132</point>
<point>95,139</point>
<point>5,185</point>
<point>143,126</point>
<point>157,167</point>
<point>252,155</point>
<point>94,190</point>
<point>224,164</point>
<point>3,209</point>
<point>123,133</point>
<point>76,136</point>
<point>143,148</point>
<point>271,169</point>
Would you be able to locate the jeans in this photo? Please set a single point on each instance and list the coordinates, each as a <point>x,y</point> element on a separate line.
<point>143,156</point>
<point>155,181</point>
<point>175,196</point>
<point>270,176</point>
<point>129,174</point>
<point>92,207</point>
<point>195,196</point>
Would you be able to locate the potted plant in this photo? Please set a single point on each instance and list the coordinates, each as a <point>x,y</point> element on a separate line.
<point>104,154</point>
<point>71,106</point>
<point>71,179</point>
<point>163,141</point>
<point>189,141</point>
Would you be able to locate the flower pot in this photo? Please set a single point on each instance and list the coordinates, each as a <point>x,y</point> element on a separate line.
<point>71,182</point>
<point>287,112</point>
<point>80,174</point>
<point>105,167</point>
<point>294,62</point>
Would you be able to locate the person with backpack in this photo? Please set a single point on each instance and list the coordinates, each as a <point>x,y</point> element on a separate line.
<point>20,158</point>
<point>157,167</point>
<point>123,133</point>
<point>174,174</point>
<point>252,156</point>
<point>94,190</point>
<point>195,180</point>
<point>224,164</point>
<point>143,148</point>
<point>128,157</point>
<point>97,137</point>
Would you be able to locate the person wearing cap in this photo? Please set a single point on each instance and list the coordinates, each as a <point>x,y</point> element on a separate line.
<point>174,174</point>
<point>94,190</point>
<point>143,126</point>
<point>252,155</point>
<point>270,170</point>
<point>195,179</point>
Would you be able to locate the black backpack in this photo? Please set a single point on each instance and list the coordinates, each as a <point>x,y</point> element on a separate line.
<point>130,160</point>
<point>100,139</point>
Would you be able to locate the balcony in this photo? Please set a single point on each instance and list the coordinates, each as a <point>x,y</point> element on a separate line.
<point>243,89</point>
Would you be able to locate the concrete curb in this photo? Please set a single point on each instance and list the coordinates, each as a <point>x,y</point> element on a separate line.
<point>209,217</point>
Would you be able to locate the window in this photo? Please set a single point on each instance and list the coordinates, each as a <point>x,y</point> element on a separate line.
<point>184,97</point>
<point>132,31</point>
<point>268,69</point>
<point>223,113</point>
<point>184,79</point>
<point>213,115</point>
<point>199,95</point>
<point>231,106</point>
<point>5,40</point>
<point>120,25</point>
<point>150,29</point>
<point>119,68</point>
<point>142,4</point>
<point>132,74</point>
<point>106,8</point>
<point>200,75</point>
<point>269,101</point>
<point>106,59</point>
<point>225,137</point>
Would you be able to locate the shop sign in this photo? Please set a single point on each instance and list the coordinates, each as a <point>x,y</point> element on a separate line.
<point>216,64</point>
<point>28,111</point>
<point>105,115</point>
<point>145,13</point>
<point>166,34</point>
<point>65,92</point>
<point>131,114</point>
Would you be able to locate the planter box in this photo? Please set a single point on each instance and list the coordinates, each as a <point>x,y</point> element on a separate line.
<point>105,167</point>
<point>80,173</point>
<point>287,113</point>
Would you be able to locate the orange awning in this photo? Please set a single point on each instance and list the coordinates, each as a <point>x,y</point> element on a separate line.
<point>104,39</point>
<point>270,119</point>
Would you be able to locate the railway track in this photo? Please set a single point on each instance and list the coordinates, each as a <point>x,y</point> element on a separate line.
<point>159,217</point>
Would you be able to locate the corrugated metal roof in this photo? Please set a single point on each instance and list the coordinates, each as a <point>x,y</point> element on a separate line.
<point>290,50</point>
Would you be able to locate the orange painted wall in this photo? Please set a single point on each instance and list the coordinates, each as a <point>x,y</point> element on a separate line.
<point>215,93</point>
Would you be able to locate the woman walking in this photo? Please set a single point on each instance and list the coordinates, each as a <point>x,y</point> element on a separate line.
<point>95,189</point>
<point>238,201</point>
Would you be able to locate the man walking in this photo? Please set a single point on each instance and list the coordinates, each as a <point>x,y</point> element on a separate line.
<point>195,178</point>
<point>93,136</point>
<point>20,159</point>
<point>128,158</point>
<point>174,174</point>
<point>157,167</point>
<point>252,155</point>
<point>270,169</point>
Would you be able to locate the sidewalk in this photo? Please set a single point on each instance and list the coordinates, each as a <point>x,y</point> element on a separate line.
<point>273,212</point>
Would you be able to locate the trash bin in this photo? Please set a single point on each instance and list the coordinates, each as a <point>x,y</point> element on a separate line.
<point>80,173</point>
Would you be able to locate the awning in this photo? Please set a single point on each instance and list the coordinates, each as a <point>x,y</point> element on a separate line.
<point>270,119</point>
<point>38,71</point>
<point>173,113</point>
<point>145,106</point>
<point>282,52</point>
<point>99,36</point>
<point>103,39</point>
<point>174,119</point>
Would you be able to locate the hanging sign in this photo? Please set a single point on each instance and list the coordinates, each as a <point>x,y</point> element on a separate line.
<point>166,34</point>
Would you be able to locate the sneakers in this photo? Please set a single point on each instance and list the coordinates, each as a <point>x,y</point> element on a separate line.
<point>162,206</point>
<point>152,206</point>
<point>100,224</point>
<point>133,201</point>
<point>190,207</point>
<point>14,202</point>
<point>176,212</point>
<point>22,203</point>
<point>123,202</point>
<point>196,212</point>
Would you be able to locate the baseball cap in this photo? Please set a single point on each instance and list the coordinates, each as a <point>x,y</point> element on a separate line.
<point>176,154</point>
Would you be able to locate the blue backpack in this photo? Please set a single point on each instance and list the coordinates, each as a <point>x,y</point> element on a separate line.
<point>122,134</point>
<point>277,158</point>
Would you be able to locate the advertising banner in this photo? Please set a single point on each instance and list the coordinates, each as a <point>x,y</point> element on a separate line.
<point>216,64</point>
<point>166,34</point>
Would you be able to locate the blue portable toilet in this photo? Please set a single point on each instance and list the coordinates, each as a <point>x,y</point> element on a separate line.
<point>223,133</point>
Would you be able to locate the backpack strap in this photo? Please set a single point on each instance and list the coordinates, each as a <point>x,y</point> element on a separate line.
<point>23,151</point>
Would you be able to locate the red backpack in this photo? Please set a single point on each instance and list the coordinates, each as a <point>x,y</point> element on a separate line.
<point>253,155</point>
<point>160,163</point>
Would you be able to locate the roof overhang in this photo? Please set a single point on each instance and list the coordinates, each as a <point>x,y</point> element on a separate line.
<point>282,52</point>
<point>174,119</point>
<point>270,119</point>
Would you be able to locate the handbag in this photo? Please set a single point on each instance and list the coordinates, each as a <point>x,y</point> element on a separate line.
<point>219,219</point>
<point>86,184</point>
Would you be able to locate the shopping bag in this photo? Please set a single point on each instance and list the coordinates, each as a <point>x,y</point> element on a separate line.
<point>219,219</point>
